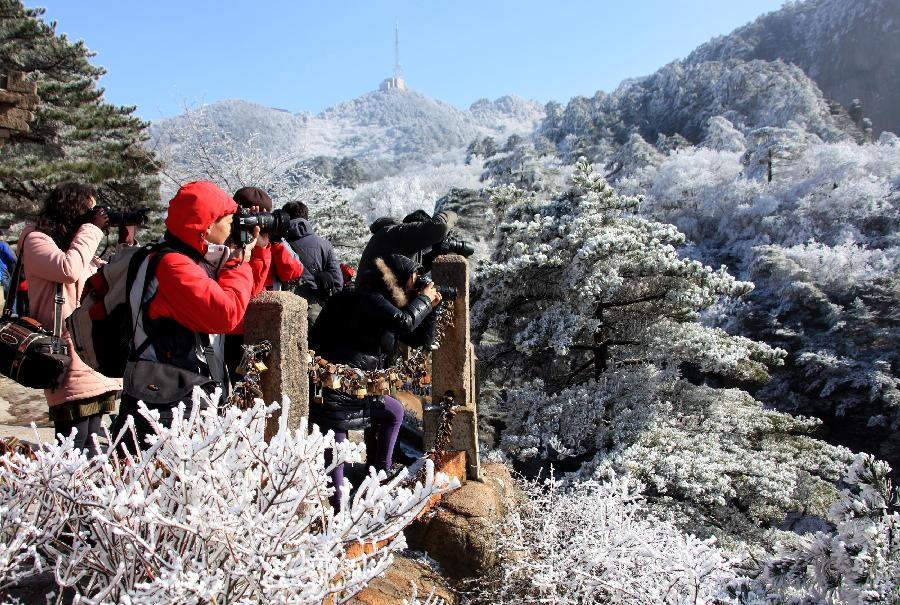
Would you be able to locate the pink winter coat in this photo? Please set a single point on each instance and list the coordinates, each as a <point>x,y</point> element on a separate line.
<point>45,266</point>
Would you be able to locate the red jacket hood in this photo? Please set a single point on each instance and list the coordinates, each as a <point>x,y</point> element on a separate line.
<point>194,208</point>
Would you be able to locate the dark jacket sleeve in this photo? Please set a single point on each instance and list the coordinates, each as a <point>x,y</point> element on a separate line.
<point>417,236</point>
<point>333,267</point>
<point>400,321</point>
<point>422,335</point>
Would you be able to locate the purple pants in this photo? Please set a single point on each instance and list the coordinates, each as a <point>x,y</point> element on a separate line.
<point>388,419</point>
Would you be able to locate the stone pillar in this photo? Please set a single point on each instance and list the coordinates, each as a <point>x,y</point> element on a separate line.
<point>453,370</point>
<point>280,318</point>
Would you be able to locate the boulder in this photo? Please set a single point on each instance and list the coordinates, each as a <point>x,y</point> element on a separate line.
<point>397,584</point>
<point>460,534</point>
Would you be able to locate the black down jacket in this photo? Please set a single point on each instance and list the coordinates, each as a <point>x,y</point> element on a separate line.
<point>362,328</point>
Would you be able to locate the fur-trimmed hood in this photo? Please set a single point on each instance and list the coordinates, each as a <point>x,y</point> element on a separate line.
<point>393,271</point>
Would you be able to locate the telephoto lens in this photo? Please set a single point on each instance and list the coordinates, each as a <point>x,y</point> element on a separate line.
<point>452,245</point>
<point>127,217</point>
<point>274,224</point>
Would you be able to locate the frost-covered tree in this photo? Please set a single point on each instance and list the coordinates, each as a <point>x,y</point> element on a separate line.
<point>590,340</point>
<point>857,563</point>
<point>211,512</point>
<point>201,148</point>
<point>820,241</point>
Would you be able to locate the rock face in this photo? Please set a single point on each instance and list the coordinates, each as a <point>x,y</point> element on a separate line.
<point>397,582</point>
<point>460,535</point>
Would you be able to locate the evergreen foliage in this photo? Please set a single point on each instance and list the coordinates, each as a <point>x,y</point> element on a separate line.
<point>588,320</point>
<point>75,135</point>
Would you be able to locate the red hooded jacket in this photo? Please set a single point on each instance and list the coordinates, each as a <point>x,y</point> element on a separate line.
<point>186,293</point>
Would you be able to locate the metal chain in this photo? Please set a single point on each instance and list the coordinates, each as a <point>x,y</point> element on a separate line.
<point>252,366</point>
<point>408,374</point>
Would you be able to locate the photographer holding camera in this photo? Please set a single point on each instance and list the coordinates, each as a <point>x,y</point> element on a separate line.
<point>362,327</point>
<point>187,293</point>
<point>284,268</point>
<point>60,249</point>
<point>412,238</point>
<point>322,276</point>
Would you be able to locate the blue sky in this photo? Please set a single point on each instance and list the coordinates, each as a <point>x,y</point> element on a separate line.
<point>306,56</point>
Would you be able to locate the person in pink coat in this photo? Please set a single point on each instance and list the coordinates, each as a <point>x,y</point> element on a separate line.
<point>61,248</point>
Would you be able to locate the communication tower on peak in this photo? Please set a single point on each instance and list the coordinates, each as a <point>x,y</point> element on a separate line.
<point>396,82</point>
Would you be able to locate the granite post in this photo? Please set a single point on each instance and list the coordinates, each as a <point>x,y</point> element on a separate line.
<point>280,318</point>
<point>453,369</point>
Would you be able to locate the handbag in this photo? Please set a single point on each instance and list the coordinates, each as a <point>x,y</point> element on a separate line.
<point>29,354</point>
<point>163,385</point>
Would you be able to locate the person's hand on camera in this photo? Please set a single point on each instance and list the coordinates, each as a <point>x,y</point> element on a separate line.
<point>433,295</point>
<point>100,218</point>
<point>263,240</point>
<point>242,253</point>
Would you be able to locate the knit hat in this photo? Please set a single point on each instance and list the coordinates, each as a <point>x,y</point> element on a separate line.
<point>247,197</point>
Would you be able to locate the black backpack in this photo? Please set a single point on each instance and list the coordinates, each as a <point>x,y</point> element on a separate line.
<point>325,286</point>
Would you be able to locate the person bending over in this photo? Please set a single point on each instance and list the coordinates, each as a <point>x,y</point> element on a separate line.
<point>417,233</point>
<point>362,327</point>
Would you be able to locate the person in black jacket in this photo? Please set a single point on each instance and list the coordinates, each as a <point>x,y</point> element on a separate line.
<point>418,232</point>
<point>322,271</point>
<point>361,328</point>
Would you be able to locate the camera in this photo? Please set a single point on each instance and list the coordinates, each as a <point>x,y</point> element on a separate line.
<point>448,245</point>
<point>446,292</point>
<point>452,245</point>
<point>127,217</point>
<point>274,223</point>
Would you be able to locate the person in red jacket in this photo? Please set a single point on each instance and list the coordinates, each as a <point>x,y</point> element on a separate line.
<point>186,295</point>
<point>285,268</point>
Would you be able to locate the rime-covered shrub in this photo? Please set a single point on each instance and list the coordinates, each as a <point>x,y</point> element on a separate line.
<point>591,542</point>
<point>211,512</point>
<point>858,563</point>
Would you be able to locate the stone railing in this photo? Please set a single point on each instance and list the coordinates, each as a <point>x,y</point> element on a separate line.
<point>280,318</point>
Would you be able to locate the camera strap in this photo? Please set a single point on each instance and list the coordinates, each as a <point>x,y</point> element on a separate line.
<point>58,299</point>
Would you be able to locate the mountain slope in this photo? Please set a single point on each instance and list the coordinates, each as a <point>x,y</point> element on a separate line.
<point>850,48</point>
<point>394,125</point>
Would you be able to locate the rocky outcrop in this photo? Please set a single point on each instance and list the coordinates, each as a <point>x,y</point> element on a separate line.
<point>851,50</point>
<point>461,533</point>
<point>397,584</point>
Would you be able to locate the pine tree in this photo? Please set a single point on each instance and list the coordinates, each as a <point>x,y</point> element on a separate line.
<point>592,347</point>
<point>75,135</point>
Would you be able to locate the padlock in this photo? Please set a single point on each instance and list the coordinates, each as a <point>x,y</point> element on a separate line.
<point>260,366</point>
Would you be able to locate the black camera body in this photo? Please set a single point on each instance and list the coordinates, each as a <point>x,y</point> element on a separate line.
<point>275,224</point>
<point>446,292</point>
<point>118,217</point>
<point>127,217</point>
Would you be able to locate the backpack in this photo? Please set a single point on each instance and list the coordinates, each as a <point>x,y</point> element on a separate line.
<point>101,327</point>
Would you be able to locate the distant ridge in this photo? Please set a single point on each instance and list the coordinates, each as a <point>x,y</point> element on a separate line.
<point>850,48</point>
